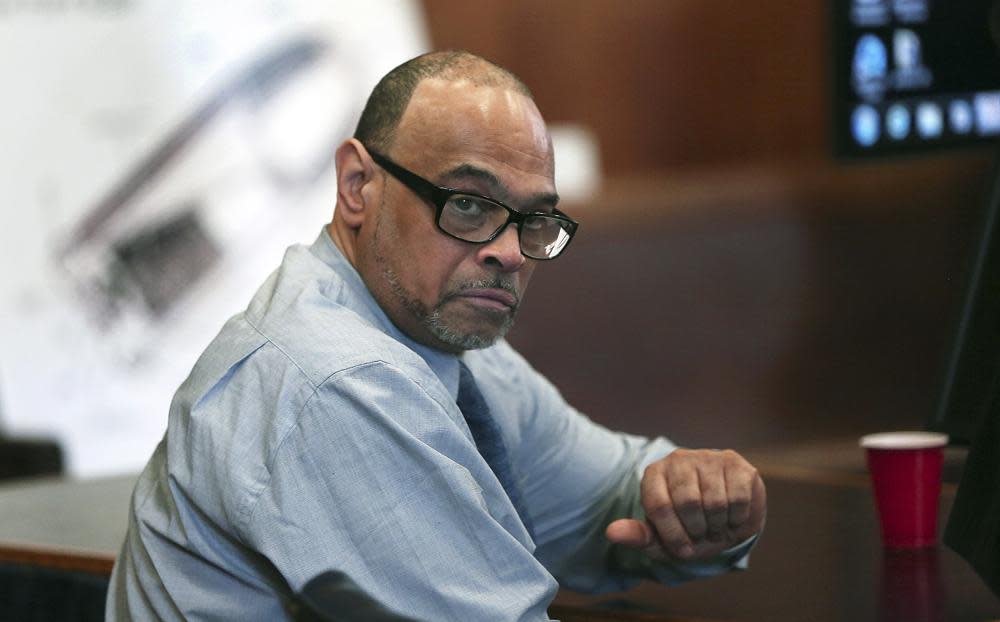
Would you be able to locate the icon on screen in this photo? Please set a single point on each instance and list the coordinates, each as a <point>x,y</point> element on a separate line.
<point>865,125</point>
<point>930,120</point>
<point>910,72</point>
<point>911,11</point>
<point>897,122</point>
<point>870,67</point>
<point>867,13</point>
<point>960,116</point>
<point>987,107</point>
<point>906,48</point>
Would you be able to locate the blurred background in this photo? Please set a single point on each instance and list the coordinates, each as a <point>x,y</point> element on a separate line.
<point>734,282</point>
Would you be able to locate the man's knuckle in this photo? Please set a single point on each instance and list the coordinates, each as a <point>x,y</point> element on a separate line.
<point>745,476</point>
<point>657,508</point>
<point>716,506</point>
<point>731,456</point>
<point>662,513</point>
<point>680,454</point>
<point>688,506</point>
<point>739,500</point>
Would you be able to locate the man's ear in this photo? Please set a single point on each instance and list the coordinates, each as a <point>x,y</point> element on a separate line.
<point>354,190</point>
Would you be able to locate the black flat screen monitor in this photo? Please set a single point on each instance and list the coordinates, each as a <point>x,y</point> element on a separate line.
<point>971,386</point>
<point>914,75</point>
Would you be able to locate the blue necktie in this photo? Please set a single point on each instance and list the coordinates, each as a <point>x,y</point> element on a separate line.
<point>486,433</point>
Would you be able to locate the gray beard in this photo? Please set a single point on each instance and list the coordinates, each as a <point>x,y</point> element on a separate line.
<point>433,319</point>
<point>434,323</point>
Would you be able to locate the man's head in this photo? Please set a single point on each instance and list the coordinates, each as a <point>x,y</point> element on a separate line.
<point>460,122</point>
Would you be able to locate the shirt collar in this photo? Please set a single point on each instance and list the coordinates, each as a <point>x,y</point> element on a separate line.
<point>361,301</point>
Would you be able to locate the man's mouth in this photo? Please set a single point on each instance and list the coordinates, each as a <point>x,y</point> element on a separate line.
<point>488,298</point>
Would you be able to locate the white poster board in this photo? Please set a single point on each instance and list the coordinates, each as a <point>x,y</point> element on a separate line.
<point>157,157</point>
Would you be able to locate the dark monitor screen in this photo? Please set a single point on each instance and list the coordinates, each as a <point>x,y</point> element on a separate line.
<point>914,75</point>
<point>971,383</point>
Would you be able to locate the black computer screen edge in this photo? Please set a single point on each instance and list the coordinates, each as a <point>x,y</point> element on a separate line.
<point>971,378</point>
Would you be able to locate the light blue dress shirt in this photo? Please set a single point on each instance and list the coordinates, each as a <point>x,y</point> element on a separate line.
<point>313,435</point>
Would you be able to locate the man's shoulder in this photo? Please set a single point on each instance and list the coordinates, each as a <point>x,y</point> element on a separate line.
<point>306,324</point>
<point>320,321</point>
<point>250,388</point>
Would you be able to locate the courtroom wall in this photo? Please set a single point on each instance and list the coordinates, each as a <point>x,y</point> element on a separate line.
<point>732,282</point>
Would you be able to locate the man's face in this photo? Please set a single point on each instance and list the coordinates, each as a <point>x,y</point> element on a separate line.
<point>443,292</point>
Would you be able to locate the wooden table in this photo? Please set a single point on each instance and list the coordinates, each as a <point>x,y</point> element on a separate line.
<point>820,558</point>
<point>63,523</point>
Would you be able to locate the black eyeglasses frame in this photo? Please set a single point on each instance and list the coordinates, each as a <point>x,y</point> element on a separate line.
<point>438,197</point>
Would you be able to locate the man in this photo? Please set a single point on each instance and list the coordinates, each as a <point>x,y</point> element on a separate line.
<point>365,416</point>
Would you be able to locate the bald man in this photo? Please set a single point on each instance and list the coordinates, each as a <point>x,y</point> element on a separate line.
<point>365,418</point>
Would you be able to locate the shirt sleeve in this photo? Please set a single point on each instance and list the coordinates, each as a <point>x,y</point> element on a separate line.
<point>579,477</point>
<point>380,481</point>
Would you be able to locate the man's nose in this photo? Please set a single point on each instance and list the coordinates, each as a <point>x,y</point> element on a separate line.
<point>504,252</point>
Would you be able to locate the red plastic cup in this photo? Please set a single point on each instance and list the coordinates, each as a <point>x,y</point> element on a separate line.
<point>905,468</point>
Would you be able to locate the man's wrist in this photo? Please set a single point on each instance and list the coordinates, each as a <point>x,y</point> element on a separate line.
<point>734,558</point>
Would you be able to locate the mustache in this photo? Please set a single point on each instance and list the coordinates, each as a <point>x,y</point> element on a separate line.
<point>498,282</point>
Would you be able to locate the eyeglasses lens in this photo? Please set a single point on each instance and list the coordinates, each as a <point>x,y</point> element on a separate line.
<point>475,219</point>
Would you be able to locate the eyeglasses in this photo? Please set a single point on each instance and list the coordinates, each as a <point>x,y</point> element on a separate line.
<point>478,219</point>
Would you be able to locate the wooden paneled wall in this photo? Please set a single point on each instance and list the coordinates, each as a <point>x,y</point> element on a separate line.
<point>732,284</point>
<point>664,83</point>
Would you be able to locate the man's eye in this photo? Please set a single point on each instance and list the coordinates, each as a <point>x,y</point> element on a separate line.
<point>535,224</point>
<point>466,206</point>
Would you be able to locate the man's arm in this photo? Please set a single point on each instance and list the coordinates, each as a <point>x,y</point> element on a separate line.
<point>582,478</point>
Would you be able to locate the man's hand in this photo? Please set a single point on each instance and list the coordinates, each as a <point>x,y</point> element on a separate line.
<point>698,503</point>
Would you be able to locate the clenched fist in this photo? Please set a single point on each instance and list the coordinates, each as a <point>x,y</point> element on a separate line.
<point>698,503</point>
